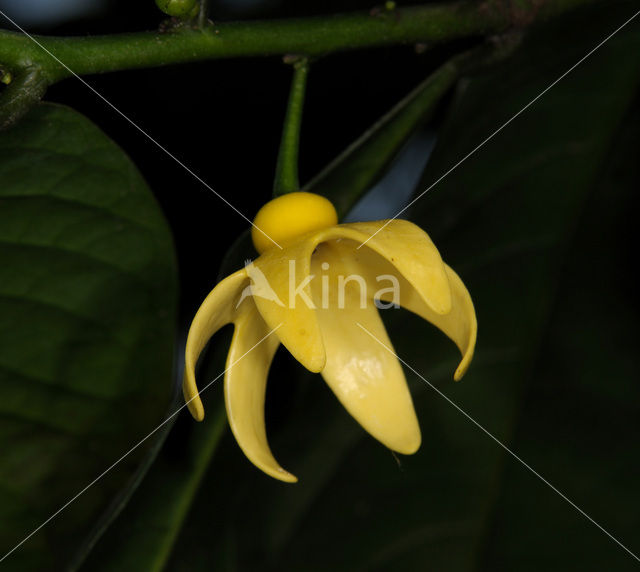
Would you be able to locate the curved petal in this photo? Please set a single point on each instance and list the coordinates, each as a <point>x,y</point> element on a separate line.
<point>366,377</point>
<point>245,383</point>
<point>459,324</point>
<point>287,273</point>
<point>410,250</point>
<point>217,310</point>
<point>280,280</point>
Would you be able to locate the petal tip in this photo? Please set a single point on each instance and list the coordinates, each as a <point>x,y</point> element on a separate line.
<point>317,363</point>
<point>196,409</point>
<point>314,360</point>
<point>464,364</point>
<point>278,473</point>
<point>442,305</point>
<point>191,395</point>
<point>410,445</point>
<point>438,296</point>
<point>287,477</point>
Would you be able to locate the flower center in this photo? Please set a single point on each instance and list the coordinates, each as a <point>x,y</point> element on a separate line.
<point>290,216</point>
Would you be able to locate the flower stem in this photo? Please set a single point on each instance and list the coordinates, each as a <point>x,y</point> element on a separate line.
<point>286,179</point>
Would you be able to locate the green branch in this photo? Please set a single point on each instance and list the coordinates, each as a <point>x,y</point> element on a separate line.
<point>286,180</point>
<point>428,24</point>
<point>22,92</point>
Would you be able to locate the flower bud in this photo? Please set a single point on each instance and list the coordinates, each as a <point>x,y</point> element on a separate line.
<point>184,9</point>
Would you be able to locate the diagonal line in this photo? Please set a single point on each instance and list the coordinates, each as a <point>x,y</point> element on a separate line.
<point>483,143</point>
<point>479,426</point>
<point>137,127</point>
<point>85,489</point>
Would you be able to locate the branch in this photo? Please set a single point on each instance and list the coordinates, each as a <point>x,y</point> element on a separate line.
<point>430,24</point>
<point>23,92</point>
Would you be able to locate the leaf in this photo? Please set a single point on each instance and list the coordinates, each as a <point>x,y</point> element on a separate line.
<point>585,388</point>
<point>157,439</point>
<point>143,536</point>
<point>87,306</point>
<point>362,164</point>
<point>504,220</point>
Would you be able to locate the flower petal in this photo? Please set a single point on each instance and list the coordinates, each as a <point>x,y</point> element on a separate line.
<point>245,385</point>
<point>408,248</point>
<point>282,297</point>
<point>217,310</point>
<point>366,377</point>
<point>459,324</point>
<point>276,275</point>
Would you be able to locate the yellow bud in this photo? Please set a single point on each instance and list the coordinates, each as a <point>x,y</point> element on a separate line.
<point>289,216</point>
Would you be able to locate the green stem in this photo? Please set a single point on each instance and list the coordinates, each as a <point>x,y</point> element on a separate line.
<point>286,180</point>
<point>430,24</point>
<point>203,14</point>
<point>25,89</point>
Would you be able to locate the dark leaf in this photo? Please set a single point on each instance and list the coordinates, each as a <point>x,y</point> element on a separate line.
<point>143,536</point>
<point>87,316</point>
<point>362,164</point>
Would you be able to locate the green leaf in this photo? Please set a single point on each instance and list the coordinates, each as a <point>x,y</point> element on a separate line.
<point>143,536</point>
<point>504,219</point>
<point>87,306</point>
<point>157,439</point>
<point>360,166</point>
<point>585,389</point>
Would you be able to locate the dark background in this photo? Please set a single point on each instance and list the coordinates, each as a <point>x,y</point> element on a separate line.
<point>570,408</point>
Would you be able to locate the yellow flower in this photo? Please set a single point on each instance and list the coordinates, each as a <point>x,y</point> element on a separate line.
<point>315,291</point>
